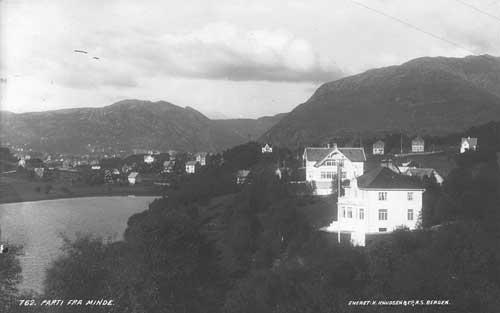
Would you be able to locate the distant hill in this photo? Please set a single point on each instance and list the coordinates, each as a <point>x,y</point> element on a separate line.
<point>250,128</point>
<point>428,96</point>
<point>126,125</point>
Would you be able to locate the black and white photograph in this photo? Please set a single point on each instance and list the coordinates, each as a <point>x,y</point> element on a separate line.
<point>249,156</point>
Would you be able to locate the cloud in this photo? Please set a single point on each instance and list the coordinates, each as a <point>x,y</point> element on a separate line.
<point>222,51</point>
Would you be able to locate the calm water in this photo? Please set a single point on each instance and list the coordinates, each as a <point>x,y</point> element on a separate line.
<point>38,225</point>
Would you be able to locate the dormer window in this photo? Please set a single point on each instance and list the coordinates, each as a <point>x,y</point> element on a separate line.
<point>382,196</point>
<point>410,196</point>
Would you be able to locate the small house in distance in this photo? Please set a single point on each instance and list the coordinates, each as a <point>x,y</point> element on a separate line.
<point>134,178</point>
<point>267,149</point>
<point>201,157</point>
<point>242,176</point>
<point>148,159</point>
<point>190,167</point>
<point>468,144</point>
<point>378,147</point>
<point>418,145</point>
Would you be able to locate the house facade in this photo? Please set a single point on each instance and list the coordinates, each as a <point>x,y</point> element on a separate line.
<point>242,176</point>
<point>468,144</point>
<point>190,167</point>
<point>379,147</point>
<point>377,202</point>
<point>323,165</point>
<point>133,178</point>
<point>418,145</point>
<point>201,158</point>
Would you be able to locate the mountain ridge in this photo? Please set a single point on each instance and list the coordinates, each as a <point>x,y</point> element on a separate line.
<point>123,125</point>
<point>429,95</point>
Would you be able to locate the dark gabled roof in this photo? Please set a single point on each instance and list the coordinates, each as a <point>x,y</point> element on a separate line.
<point>191,163</point>
<point>384,178</point>
<point>420,172</point>
<point>318,154</point>
<point>378,143</point>
<point>354,154</point>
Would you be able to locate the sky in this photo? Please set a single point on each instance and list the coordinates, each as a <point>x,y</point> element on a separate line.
<point>225,58</point>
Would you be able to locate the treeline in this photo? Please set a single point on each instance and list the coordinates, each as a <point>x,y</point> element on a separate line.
<point>259,252</point>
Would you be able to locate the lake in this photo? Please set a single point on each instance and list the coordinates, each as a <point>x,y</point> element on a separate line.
<point>38,226</point>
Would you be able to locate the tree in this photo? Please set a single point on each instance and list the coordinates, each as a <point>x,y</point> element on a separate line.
<point>10,277</point>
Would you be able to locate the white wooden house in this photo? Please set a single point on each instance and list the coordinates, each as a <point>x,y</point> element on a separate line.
<point>134,178</point>
<point>379,147</point>
<point>191,167</point>
<point>267,149</point>
<point>149,159</point>
<point>323,165</point>
<point>468,144</point>
<point>201,157</point>
<point>377,202</point>
<point>418,145</point>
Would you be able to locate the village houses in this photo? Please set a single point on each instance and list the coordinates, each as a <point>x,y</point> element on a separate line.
<point>377,202</point>
<point>418,145</point>
<point>324,164</point>
<point>468,144</point>
<point>378,147</point>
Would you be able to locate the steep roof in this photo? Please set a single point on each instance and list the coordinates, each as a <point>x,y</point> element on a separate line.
<point>384,178</point>
<point>318,154</point>
<point>354,154</point>
<point>417,139</point>
<point>191,163</point>
<point>243,173</point>
<point>378,143</point>
<point>471,140</point>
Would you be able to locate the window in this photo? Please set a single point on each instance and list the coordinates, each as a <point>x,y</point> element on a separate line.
<point>330,163</point>
<point>410,196</point>
<point>382,214</point>
<point>382,196</point>
<point>382,230</point>
<point>361,214</point>
<point>349,212</point>
<point>410,214</point>
<point>343,212</point>
<point>344,175</point>
<point>327,175</point>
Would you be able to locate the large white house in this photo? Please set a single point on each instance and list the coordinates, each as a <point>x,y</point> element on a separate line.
<point>379,147</point>
<point>201,157</point>
<point>324,164</point>
<point>377,202</point>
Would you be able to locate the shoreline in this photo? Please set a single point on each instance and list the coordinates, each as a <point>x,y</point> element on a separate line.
<point>81,197</point>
